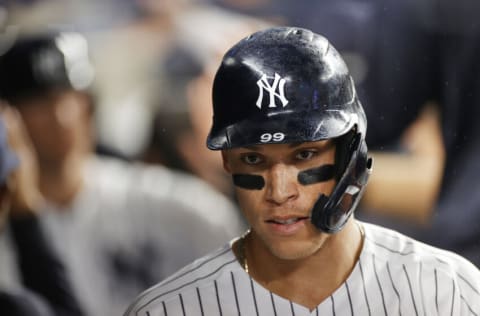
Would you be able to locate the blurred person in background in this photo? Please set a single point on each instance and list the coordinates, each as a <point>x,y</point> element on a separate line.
<point>416,71</point>
<point>45,289</point>
<point>125,39</point>
<point>176,139</point>
<point>182,106</point>
<point>114,223</point>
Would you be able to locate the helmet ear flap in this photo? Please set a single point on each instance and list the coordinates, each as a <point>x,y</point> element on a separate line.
<point>330,214</point>
<point>343,152</point>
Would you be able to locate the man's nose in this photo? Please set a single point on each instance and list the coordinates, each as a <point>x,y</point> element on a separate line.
<point>282,184</point>
<point>66,113</point>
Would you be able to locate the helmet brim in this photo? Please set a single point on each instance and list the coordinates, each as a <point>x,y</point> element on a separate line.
<point>283,128</point>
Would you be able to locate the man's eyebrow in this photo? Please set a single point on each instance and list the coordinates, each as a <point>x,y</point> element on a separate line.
<point>293,145</point>
<point>324,146</point>
<point>257,147</point>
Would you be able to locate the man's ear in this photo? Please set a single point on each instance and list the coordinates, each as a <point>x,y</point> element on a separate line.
<point>226,163</point>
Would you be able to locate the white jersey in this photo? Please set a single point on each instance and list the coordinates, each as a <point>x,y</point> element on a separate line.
<point>394,275</point>
<point>131,226</point>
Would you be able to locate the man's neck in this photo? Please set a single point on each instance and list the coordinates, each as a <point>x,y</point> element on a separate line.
<point>311,280</point>
<point>61,182</point>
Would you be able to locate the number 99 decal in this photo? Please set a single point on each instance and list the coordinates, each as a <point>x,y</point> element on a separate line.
<point>268,137</point>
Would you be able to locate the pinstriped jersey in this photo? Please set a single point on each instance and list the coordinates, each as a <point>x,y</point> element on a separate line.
<point>395,275</point>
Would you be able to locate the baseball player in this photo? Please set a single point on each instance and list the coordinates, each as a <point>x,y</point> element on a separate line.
<point>292,134</point>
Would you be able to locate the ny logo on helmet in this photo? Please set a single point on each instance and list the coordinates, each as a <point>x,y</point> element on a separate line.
<point>276,89</point>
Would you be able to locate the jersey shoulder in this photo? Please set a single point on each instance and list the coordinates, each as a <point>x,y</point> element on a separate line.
<point>200,272</point>
<point>407,250</point>
<point>402,252</point>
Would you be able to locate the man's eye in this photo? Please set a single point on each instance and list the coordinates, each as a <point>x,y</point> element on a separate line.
<point>305,155</point>
<point>252,159</point>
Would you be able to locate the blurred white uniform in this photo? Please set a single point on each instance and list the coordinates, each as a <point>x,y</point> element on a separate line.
<point>131,226</point>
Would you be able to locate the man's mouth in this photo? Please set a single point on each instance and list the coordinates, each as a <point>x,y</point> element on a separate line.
<point>287,221</point>
<point>286,225</point>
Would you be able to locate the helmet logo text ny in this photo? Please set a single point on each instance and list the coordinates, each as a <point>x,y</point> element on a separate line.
<point>276,89</point>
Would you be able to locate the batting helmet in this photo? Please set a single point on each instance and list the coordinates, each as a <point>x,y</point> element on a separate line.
<point>36,64</point>
<point>285,85</point>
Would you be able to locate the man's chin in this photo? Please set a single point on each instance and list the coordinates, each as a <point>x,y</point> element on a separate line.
<point>295,250</point>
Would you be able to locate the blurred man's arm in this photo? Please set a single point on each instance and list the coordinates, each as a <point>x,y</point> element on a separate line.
<point>406,185</point>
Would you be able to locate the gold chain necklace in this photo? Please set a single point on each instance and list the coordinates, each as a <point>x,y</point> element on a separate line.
<point>242,251</point>
<point>361,229</point>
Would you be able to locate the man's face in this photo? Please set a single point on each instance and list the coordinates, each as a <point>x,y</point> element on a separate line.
<point>58,124</point>
<point>279,213</point>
